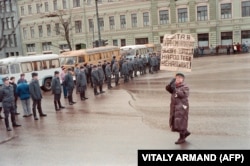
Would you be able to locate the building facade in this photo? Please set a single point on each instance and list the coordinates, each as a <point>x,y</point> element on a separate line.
<point>127,22</point>
<point>9,30</point>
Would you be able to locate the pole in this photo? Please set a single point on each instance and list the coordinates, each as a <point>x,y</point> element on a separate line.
<point>98,24</point>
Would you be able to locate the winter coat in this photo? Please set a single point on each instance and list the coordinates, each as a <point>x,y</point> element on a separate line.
<point>35,90</point>
<point>130,65</point>
<point>56,86</point>
<point>125,68</point>
<point>108,71</point>
<point>69,82</point>
<point>179,108</point>
<point>115,68</point>
<point>7,96</point>
<point>81,81</point>
<point>95,76</point>
<point>101,74</point>
<point>22,91</point>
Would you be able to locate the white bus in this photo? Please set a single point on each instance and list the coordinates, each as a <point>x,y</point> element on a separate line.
<point>44,65</point>
<point>132,50</point>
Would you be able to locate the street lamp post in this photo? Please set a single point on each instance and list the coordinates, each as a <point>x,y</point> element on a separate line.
<point>98,24</point>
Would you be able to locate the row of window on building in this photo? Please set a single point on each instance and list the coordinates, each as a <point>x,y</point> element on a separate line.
<point>45,7</point>
<point>6,6</point>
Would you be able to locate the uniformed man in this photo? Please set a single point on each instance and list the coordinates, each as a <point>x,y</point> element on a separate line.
<point>125,71</point>
<point>90,72</point>
<point>7,98</point>
<point>115,71</point>
<point>130,68</point>
<point>57,91</point>
<point>104,69</point>
<point>108,75</point>
<point>136,66</point>
<point>149,63</point>
<point>144,60</point>
<point>95,79</point>
<point>120,66</point>
<point>69,83</point>
<point>36,96</point>
<point>81,83</point>
<point>101,76</point>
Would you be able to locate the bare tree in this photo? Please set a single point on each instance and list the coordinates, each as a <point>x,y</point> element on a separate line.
<point>4,41</point>
<point>65,26</point>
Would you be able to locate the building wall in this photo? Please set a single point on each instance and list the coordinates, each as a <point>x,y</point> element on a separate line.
<point>9,15</point>
<point>153,32</point>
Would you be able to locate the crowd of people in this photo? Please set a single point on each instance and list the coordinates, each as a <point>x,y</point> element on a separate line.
<point>85,75</point>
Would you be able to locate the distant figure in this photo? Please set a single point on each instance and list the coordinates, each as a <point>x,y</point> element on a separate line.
<point>69,84</point>
<point>108,73</point>
<point>101,77</point>
<point>95,79</point>
<point>62,76</point>
<point>115,71</point>
<point>179,107</point>
<point>57,91</point>
<point>12,82</point>
<point>81,83</point>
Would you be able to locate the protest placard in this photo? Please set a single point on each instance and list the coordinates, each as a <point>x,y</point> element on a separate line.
<point>177,52</point>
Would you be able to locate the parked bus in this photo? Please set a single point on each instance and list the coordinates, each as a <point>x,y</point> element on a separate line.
<point>90,56</point>
<point>131,51</point>
<point>153,47</point>
<point>44,65</point>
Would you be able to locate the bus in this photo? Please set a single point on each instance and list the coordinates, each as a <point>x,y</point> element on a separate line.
<point>90,56</point>
<point>131,51</point>
<point>45,65</point>
<point>153,47</point>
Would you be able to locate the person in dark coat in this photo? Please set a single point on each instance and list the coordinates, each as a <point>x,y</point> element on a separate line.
<point>7,98</point>
<point>95,79</point>
<point>57,91</point>
<point>108,75</point>
<point>90,72</point>
<point>130,68</point>
<point>69,84</point>
<point>125,71</point>
<point>36,96</point>
<point>23,92</point>
<point>81,83</point>
<point>179,107</point>
<point>101,76</point>
<point>103,68</point>
<point>115,71</point>
<point>12,82</point>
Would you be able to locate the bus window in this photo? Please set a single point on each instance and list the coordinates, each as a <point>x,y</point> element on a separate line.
<point>45,64</point>
<point>37,66</point>
<point>4,70</point>
<point>70,61</point>
<point>54,63</point>
<point>26,67</point>
<point>14,68</point>
<point>81,59</point>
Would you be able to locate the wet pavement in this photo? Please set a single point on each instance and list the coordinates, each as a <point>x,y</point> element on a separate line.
<point>109,129</point>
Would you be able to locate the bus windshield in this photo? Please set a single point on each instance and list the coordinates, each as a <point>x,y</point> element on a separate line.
<point>68,60</point>
<point>4,69</point>
<point>129,52</point>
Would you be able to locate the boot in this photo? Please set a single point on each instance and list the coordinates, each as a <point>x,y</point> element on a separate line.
<point>83,96</point>
<point>95,91</point>
<point>13,120</point>
<point>187,133</point>
<point>101,91</point>
<point>59,104</point>
<point>56,108</point>
<point>7,124</point>
<point>34,114</point>
<point>181,139</point>
<point>41,113</point>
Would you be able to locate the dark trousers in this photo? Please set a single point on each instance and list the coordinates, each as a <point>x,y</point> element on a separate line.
<point>116,79</point>
<point>37,105</point>
<point>65,91</point>
<point>70,93</point>
<point>109,81</point>
<point>9,110</point>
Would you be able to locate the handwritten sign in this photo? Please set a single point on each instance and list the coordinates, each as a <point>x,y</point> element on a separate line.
<point>177,52</point>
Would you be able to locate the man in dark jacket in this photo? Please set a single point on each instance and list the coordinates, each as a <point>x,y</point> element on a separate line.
<point>125,71</point>
<point>108,75</point>
<point>115,71</point>
<point>7,98</point>
<point>36,96</point>
<point>103,68</point>
<point>81,83</point>
<point>69,84</point>
<point>179,107</point>
<point>57,91</point>
<point>95,79</point>
<point>12,82</point>
<point>101,76</point>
